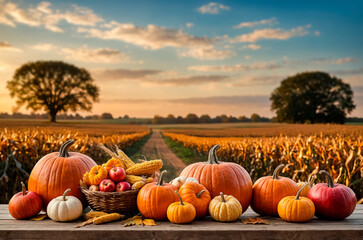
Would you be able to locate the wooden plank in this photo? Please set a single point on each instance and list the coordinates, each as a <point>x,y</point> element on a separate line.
<point>350,228</point>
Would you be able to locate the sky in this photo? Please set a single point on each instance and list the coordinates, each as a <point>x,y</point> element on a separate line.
<point>160,57</point>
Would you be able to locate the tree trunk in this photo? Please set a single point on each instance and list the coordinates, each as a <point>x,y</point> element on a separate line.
<point>52,116</point>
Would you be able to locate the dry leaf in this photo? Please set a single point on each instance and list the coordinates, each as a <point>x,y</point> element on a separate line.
<point>255,221</point>
<point>136,220</point>
<point>149,222</point>
<point>39,217</point>
<point>90,221</point>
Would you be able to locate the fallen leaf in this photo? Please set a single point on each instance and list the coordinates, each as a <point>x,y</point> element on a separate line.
<point>90,221</point>
<point>136,220</point>
<point>149,222</point>
<point>255,221</point>
<point>39,217</point>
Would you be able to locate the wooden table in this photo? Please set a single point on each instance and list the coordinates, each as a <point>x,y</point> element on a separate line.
<point>350,228</point>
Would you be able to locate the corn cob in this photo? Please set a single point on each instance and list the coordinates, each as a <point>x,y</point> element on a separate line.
<point>107,218</point>
<point>93,214</point>
<point>145,168</point>
<point>133,179</point>
<point>137,185</point>
<point>124,158</point>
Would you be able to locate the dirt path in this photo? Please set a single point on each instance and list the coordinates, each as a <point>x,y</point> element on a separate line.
<point>155,147</point>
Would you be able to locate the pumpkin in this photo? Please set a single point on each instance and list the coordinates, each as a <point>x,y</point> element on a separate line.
<point>269,190</point>
<point>226,177</point>
<point>181,212</point>
<point>97,174</point>
<point>25,204</point>
<point>179,181</point>
<point>305,190</point>
<point>197,195</point>
<point>64,208</point>
<point>225,208</point>
<point>113,162</point>
<point>154,198</point>
<point>333,201</point>
<point>296,208</point>
<point>57,171</point>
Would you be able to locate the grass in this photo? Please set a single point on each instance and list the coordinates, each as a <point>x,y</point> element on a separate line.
<point>133,151</point>
<point>187,155</point>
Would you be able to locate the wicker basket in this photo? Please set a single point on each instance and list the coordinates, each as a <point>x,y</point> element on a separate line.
<point>110,202</point>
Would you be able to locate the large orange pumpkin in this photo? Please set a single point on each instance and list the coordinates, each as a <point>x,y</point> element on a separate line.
<point>227,177</point>
<point>197,195</point>
<point>154,198</point>
<point>269,190</point>
<point>58,171</point>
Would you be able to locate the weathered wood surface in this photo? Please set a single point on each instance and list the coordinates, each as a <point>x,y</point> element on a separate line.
<point>350,228</point>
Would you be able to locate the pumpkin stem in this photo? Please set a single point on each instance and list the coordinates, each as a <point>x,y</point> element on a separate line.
<point>160,181</point>
<point>298,193</point>
<point>312,179</point>
<point>199,194</point>
<point>23,188</point>
<point>212,156</point>
<point>65,193</point>
<point>277,171</point>
<point>222,196</point>
<point>63,151</point>
<point>329,179</point>
<point>181,200</point>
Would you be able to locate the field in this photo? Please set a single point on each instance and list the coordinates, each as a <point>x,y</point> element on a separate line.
<point>305,149</point>
<point>23,143</point>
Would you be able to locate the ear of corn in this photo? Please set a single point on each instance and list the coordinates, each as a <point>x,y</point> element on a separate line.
<point>133,179</point>
<point>138,185</point>
<point>145,168</point>
<point>93,214</point>
<point>107,218</point>
<point>124,158</point>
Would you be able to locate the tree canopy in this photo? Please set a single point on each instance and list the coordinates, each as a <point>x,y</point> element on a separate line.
<point>314,97</point>
<point>53,86</point>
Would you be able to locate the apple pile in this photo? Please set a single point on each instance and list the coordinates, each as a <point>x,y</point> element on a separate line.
<point>116,182</point>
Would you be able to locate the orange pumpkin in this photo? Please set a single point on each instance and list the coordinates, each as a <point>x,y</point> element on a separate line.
<point>97,174</point>
<point>57,171</point>
<point>181,212</point>
<point>305,191</point>
<point>227,177</point>
<point>197,195</point>
<point>268,191</point>
<point>154,198</point>
<point>113,162</point>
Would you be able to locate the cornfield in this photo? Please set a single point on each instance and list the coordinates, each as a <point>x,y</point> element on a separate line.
<point>341,156</point>
<point>20,149</point>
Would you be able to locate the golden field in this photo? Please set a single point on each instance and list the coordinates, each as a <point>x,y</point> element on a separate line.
<point>23,143</point>
<point>338,151</point>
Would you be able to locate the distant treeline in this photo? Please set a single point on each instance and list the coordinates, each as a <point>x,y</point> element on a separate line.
<point>76,116</point>
<point>205,118</point>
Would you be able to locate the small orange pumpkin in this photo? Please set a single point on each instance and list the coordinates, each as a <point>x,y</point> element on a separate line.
<point>269,190</point>
<point>97,174</point>
<point>296,209</point>
<point>154,198</point>
<point>113,162</point>
<point>305,191</point>
<point>181,212</point>
<point>197,195</point>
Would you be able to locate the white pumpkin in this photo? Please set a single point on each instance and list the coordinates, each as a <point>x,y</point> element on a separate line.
<point>179,181</point>
<point>64,208</point>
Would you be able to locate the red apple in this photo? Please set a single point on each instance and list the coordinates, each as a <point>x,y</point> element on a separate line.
<point>117,174</point>
<point>122,186</point>
<point>107,185</point>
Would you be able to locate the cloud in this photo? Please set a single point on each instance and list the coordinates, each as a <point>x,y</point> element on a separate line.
<point>43,16</point>
<point>235,68</point>
<point>122,74</point>
<point>317,33</point>
<point>212,8</point>
<point>189,24</point>
<point>86,54</point>
<point>8,47</point>
<point>344,60</point>
<point>347,72</point>
<point>256,80</point>
<point>206,53</point>
<point>191,80</point>
<point>269,33</point>
<point>251,46</point>
<point>271,21</point>
<point>44,47</point>
<point>149,37</point>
